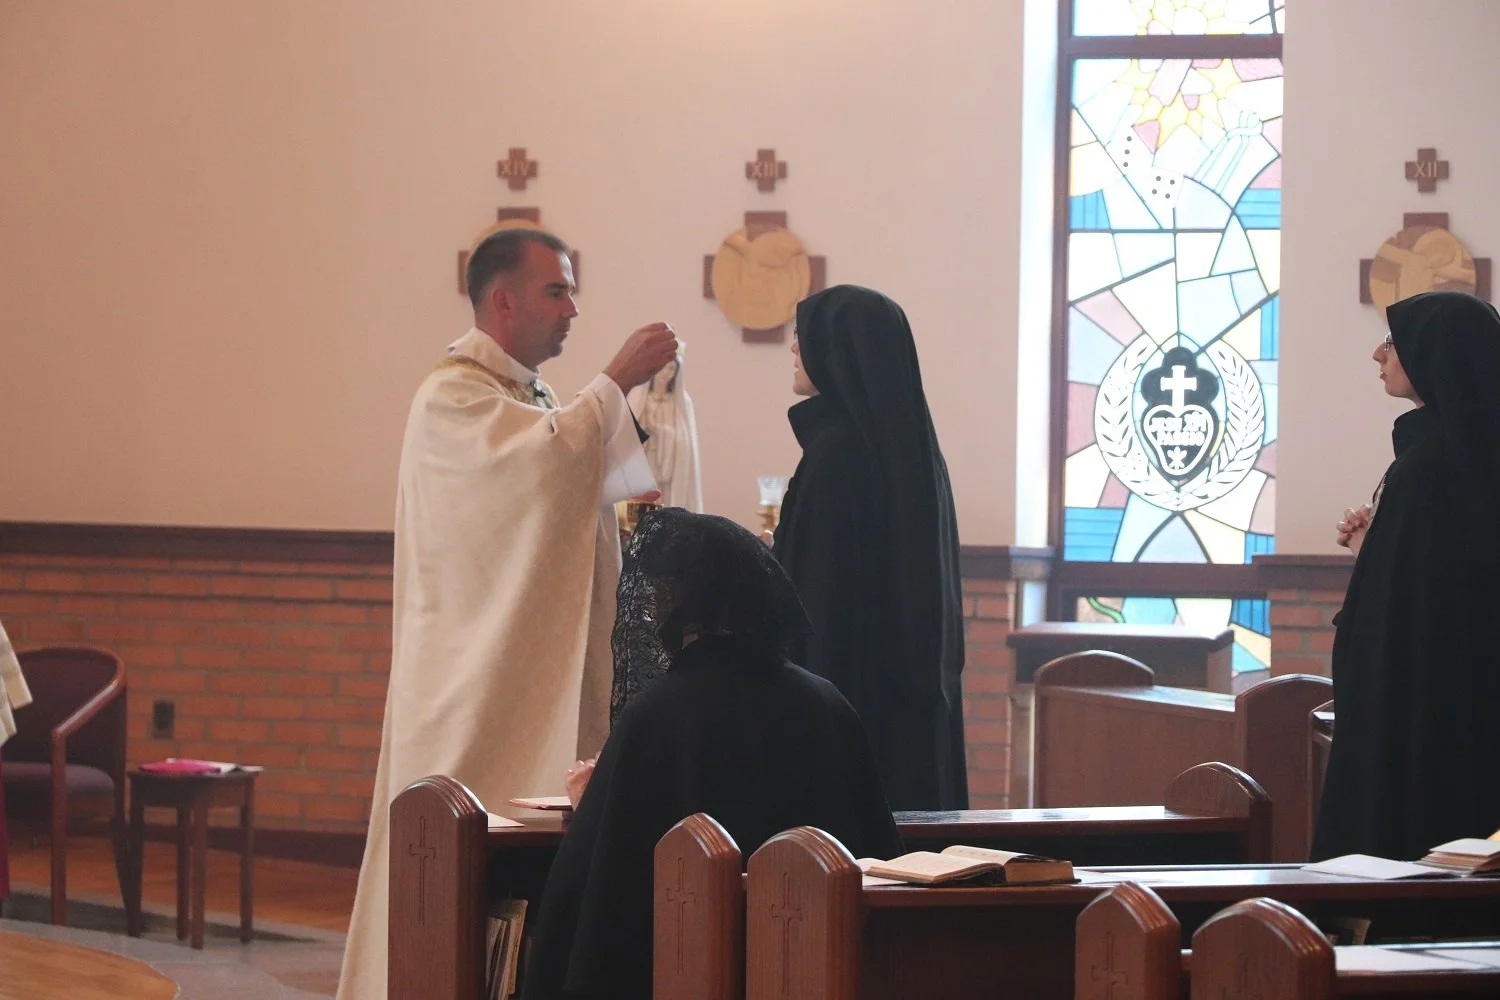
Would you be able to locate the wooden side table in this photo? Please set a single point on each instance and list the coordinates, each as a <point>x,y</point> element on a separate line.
<point>192,797</point>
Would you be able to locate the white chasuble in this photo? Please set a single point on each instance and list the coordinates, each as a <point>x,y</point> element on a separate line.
<point>507,560</point>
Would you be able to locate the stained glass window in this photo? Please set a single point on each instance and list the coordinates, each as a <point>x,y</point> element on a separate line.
<point>1249,618</point>
<point>1178,17</point>
<point>1174,268</point>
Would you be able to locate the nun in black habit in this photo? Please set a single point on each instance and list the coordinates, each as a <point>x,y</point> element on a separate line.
<point>869,536</point>
<point>730,728</point>
<point>1416,665</point>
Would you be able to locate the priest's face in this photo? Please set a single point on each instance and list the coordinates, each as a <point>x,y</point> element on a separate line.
<point>801,384</point>
<point>1391,372</point>
<point>541,306</point>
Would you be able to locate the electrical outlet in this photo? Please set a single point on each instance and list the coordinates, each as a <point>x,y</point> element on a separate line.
<point>163,718</point>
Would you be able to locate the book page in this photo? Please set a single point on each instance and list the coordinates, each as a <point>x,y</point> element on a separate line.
<point>982,854</point>
<point>1384,869</point>
<point>1368,958</point>
<point>925,865</point>
<point>501,822</point>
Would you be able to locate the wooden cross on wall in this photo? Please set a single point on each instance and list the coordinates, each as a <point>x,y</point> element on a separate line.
<point>1427,170</point>
<point>758,224</point>
<point>765,170</point>
<point>517,168</point>
<point>519,216</point>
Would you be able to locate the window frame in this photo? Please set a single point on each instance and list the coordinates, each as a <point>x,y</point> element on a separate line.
<point>1072,580</point>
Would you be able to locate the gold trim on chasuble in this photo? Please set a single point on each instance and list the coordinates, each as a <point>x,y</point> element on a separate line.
<point>536,393</point>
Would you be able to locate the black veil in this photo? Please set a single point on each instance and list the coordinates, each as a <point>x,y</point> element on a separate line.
<point>1449,344</point>
<point>695,574</point>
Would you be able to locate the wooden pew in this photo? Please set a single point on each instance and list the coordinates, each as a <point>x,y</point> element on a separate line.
<point>814,931</point>
<point>1210,813</point>
<point>1128,949</point>
<point>698,914</point>
<point>1106,734</point>
<point>437,904</point>
<point>1264,947</point>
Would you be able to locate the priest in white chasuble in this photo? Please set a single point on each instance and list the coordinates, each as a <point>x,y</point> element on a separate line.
<point>507,560</point>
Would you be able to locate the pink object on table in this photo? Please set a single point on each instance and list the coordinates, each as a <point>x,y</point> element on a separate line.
<point>184,766</point>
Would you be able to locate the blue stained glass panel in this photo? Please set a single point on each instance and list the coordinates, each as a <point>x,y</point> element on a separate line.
<point>1270,329</point>
<point>1088,212</point>
<point>1090,532</point>
<point>1260,208</point>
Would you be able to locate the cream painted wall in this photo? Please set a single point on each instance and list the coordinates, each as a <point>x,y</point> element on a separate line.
<point>1368,83</point>
<point>229,230</point>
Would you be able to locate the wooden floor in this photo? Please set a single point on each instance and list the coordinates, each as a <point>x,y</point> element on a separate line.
<point>37,968</point>
<point>292,892</point>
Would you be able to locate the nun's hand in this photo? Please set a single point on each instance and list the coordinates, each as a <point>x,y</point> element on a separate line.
<point>1353,526</point>
<point>578,779</point>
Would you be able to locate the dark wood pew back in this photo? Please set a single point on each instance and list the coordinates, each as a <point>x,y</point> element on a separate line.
<point>805,888</point>
<point>1128,940</point>
<point>436,905</point>
<point>698,914</point>
<point>979,943</point>
<point>444,867</point>
<point>1264,947</point>
<point>1106,734</point>
<point>1129,947</point>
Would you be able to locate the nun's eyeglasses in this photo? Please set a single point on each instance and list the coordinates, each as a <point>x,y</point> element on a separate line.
<point>1388,343</point>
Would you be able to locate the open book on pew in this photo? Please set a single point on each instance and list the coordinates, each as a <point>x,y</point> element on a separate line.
<point>970,866</point>
<point>1382,869</point>
<point>1469,856</point>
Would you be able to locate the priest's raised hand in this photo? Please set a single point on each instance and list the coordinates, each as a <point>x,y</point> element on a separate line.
<point>643,354</point>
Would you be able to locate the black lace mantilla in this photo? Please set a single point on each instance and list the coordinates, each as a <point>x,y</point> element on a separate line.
<point>691,574</point>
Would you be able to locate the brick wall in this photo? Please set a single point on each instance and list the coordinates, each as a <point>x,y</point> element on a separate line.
<point>284,663</point>
<point>989,680</point>
<point>1302,630</point>
<point>275,663</point>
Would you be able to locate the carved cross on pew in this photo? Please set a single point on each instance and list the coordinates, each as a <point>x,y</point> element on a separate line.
<point>682,899</point>
<point>765,170</point>
<point>1109,975</point>
<point>517,168</point>
<point>516,217</point>
<point>423,854</point>
<point>785,912</point>
<point>1427,170</point>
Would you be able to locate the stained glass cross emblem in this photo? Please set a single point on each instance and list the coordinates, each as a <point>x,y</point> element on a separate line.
<point>1179,384</point>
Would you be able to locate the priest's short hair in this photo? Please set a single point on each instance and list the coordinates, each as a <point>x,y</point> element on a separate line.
<point>502,252</point>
